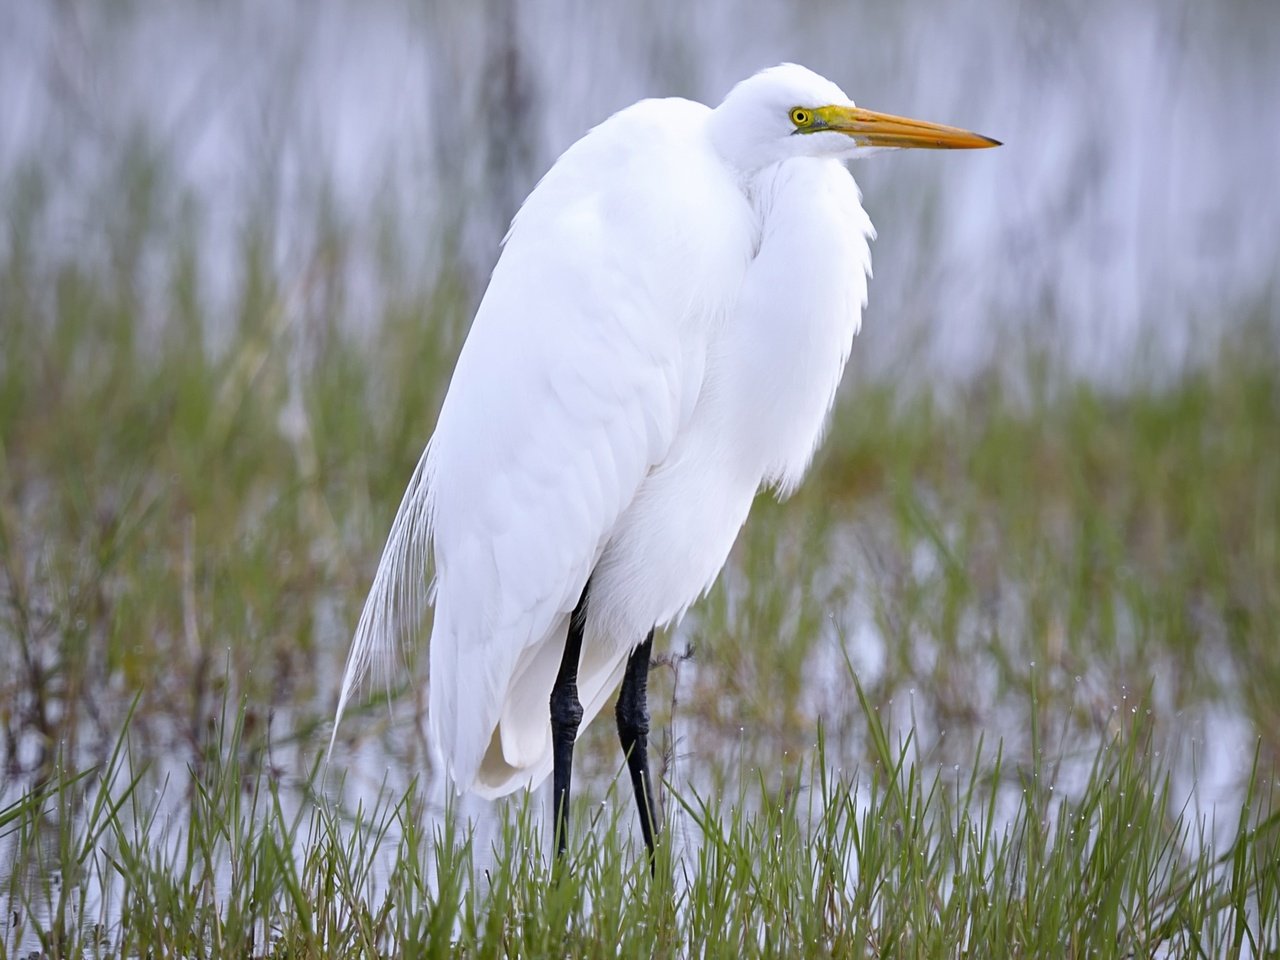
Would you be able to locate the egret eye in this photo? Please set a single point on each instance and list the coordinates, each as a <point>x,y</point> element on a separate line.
<point>801,117</point>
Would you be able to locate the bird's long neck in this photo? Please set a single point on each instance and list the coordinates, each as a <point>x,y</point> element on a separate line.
<point>800,307</point>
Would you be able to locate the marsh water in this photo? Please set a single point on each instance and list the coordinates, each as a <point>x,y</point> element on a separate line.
<point>371,154</point>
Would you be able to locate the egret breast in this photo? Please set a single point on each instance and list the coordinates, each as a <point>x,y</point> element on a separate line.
<point>771,371</point>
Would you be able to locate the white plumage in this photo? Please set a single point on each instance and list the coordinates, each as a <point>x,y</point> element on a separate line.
<point>662,336</point>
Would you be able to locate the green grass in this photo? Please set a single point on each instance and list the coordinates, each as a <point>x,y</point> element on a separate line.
<point>1001,680</point>
<point>886,860</point>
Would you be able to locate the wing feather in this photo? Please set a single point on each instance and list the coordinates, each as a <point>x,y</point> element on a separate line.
<point>583,361</point>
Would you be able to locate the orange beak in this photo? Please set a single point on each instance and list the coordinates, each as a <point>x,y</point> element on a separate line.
<point>871,129</point>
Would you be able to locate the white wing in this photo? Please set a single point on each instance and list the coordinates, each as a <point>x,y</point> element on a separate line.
<point>583,362</point>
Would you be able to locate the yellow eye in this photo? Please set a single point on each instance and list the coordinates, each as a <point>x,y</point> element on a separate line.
<point>801,117</point>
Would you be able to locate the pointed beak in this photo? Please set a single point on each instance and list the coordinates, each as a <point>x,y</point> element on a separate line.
<point>871,129</point>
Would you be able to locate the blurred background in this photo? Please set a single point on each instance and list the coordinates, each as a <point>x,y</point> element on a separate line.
<point>1130,216</point>
<point>241,242</point>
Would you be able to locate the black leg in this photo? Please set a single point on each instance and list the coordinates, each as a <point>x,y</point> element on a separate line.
<point>566,715</point>
<point>633,729</point>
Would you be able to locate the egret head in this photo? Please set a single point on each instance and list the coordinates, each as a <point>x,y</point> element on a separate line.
<point>788,111</point>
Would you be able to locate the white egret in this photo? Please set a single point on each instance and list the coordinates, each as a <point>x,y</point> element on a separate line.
<point>661,338</point>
